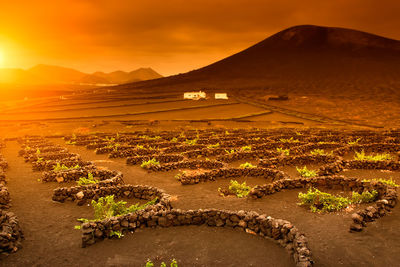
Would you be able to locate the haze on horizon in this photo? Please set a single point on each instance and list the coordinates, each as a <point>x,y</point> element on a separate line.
<point>169,36</point>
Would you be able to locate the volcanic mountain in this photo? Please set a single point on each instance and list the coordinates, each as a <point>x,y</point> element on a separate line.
<point>303,59</point>
<point>48,74</point>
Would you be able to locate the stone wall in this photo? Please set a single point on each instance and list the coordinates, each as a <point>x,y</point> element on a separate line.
<point>287,235</point>
<point>51,156</point>
<point>83,194</point>
<point>297,160</point>
<point>49,165</point>
<point>75,174</point>
<point>160,158</point>
<point>266,173</point>
<point>10,232</point>
<point>187,164</point>
<point>340,165</point>
<point>133,152</point>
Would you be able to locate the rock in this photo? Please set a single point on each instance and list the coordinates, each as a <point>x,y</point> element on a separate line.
<point>357,218</point>
<point>219,223</point>
<point>242,224</point>
<point>355,227</point>
<point>80,195</point>
<point>60,179</point>
<point>234,218</point>
<point>98,233</point>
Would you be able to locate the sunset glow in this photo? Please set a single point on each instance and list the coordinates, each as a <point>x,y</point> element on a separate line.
<point>175,37</point>
<point>1,58</point>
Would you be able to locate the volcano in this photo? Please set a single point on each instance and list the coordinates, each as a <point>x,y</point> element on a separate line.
<point>304,59</point>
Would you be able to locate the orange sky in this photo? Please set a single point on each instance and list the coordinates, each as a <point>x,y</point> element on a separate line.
<point>170,36</point>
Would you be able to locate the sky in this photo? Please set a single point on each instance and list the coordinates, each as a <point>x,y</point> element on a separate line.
<point>170,36</point>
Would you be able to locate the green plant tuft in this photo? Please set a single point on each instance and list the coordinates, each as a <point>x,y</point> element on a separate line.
<point>247,165</point>
<point>238,189</point>
<point>230,151</point>
<point>149,163</point>
<point>325,202</point>
<point>246,148</point>
<point>174,263</point>
<point>116,233</point>
<point>107,207</point>
<point>213,146</point>
<point>290,140</point>
<point>354,142</point>
<point>389,182</point>
<point>285,152</point>
<point>378,157</point>
<point>86,181</point>
<point>191,142</point>
<point>304,172</point>
<point>58,167</point>
<point>319,152</point>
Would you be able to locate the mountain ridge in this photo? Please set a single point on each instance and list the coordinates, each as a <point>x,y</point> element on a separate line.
<point>49,74</point>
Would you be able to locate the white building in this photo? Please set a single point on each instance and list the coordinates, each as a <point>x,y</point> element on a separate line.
<point>221,96</point>
<point>194,95</point>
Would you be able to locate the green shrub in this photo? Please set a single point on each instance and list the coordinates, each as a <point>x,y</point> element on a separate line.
<point>149,163</point>
<point>320,201</point>
<point>237,189</point>
<point>213,146</point>
<point>174,140</point>
<point>304,172</point>
<point>174,263</point>
<point>354,142</point>
<point>191,142</point>
<point>247,165</point>
<point>246,148</point>
<point>114,146</point>
<point>285,152</point>
<point>290,140</point>
<point>38,151</point>
<point>316,152</point>
<point>325,202</point>
<point>110,139</point>
<point>106,207</point>
<point>389,182</point>
<point>86,181</point>
<point>149,137</point>
<point>39,160</point>
<point>62,167</point>
<point>116,233</point>
<point>364,197</point>
<point>70,142</point>
<point>230,151</point>
<point>378,157</point>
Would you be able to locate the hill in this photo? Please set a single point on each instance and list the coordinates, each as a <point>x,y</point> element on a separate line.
<point>303,59</point>
<point>120,77</point>
<point>48,74</point>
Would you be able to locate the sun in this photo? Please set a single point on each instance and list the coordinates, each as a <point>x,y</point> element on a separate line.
<point>1,59</point>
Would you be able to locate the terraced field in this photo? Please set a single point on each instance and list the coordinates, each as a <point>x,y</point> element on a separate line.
<point>184,177</point>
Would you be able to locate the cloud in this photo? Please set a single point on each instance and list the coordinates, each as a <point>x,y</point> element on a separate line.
<point>174,35</point>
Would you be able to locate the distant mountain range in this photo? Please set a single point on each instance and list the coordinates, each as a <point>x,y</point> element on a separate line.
<point>47,74</point>
<point>303,59</point>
